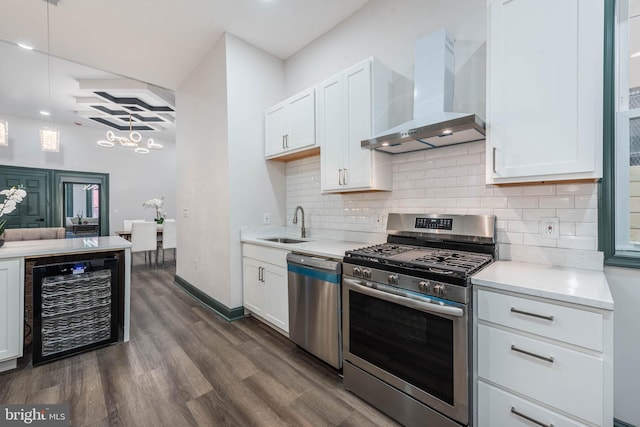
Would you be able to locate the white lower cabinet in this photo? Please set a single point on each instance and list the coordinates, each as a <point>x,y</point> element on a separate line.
<point>11,309</point>
<point>264,281</point>
<point>542,362</point>
<point>497,407</point>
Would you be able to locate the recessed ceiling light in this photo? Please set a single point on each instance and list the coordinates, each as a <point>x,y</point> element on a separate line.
<point>25,46</point>
<point>45,113</point>
<point>636,54</point>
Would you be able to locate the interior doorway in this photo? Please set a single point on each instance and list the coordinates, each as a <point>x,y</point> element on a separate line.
<point>49,196</point>
<point>81,205</point>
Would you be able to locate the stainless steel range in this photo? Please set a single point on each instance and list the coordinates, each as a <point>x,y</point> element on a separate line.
<point>407,316</point>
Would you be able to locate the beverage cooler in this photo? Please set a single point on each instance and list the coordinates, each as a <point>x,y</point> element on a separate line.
<point>75,307</point>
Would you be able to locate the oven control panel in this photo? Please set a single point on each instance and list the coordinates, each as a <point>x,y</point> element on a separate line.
<point>434,223</point>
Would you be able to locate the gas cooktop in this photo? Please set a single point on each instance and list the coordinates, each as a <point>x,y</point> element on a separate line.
<point>419,258</point>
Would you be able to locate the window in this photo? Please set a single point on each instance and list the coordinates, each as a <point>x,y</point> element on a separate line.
<point>619,231</point>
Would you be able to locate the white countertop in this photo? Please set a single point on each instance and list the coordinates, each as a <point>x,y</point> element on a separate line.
<point>585,287</point>
<point>31,248</point>
<point>312,246</point>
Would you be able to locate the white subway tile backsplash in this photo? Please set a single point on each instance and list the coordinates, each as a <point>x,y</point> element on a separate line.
<point>578,242</point>
<point>556,202</point>
<point>586,201</point>
<point>576,188</point>
<point>508,237</point>
<point>523,202</point>
<point>537,214</point>
<point>531,227</point>
<point>538,240</point>
<point>588,229</point>
<point>452,180</point>
<point>514,214</point>
<point>507,191</point>
<point>494,202</point>
<point>539,190</point>
<point>469,159</point>
<point>577,215</point>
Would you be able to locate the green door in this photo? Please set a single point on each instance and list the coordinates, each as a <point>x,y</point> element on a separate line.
<point>33,212</point>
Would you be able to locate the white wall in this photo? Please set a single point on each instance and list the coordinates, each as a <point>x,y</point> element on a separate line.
<point>202,176</point>
<point>388,30</point>
<point>255,81</point>
<point>133,178</point>
<point>224,180</point>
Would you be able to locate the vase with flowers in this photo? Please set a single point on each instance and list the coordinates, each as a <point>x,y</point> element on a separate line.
<point>12,197</point>
<point>158,205</point>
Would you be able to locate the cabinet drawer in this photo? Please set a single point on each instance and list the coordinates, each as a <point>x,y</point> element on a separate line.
<point>266,254</point>
<point>572,381</point>
<point>571,325</point>
<point>498,408</point>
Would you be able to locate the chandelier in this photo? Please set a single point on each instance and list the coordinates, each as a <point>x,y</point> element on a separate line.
<point>49,138</point>
<point>4,133</point>
<point>133,140</point>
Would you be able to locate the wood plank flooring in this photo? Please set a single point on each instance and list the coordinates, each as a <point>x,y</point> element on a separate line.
<point>186,366</point>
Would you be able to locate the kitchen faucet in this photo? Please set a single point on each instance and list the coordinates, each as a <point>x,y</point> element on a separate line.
<point>303,231</point>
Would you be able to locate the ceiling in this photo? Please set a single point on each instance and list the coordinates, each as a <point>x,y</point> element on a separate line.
<point>155,41</point>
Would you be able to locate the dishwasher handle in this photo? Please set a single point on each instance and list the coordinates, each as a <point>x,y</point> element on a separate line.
<point>315,263</point>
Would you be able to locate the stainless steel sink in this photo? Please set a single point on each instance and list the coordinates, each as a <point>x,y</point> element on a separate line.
<point>282,240</point>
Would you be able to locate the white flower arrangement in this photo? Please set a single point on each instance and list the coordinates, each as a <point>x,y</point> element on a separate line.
<point>13,196</point>
<point>157,204</point>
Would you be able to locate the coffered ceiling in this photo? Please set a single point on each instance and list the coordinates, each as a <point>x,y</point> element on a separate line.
<point>111,60</point>
<point>161,41</point>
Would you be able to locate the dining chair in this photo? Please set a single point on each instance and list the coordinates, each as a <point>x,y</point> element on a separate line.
<point>127,223</point>
<point>144,238</point>
<point>169,238</point>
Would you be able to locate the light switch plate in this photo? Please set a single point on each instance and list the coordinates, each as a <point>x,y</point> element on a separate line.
<point>266,218</point>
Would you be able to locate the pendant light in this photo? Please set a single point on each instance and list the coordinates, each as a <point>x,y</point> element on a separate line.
<point>131,141</point>
<point>49,138</point>
<point>4,133</point>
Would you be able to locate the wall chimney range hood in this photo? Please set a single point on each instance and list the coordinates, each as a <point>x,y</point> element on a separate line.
<point>434,124</point>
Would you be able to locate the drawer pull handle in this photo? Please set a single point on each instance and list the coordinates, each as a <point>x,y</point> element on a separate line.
<point>528,353</point>
<point>528,418</point>
<point>526,313</point>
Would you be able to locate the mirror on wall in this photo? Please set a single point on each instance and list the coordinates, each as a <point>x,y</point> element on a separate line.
<point>81,207</point>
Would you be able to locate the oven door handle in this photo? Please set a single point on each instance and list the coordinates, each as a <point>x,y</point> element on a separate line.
<point>399,297</point>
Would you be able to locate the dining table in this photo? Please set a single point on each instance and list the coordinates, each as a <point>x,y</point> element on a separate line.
<point>126,234</point>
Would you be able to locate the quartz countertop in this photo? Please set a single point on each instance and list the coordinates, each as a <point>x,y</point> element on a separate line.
<point>584,287</point>
<point>32,248</point>
<point>322,247</point>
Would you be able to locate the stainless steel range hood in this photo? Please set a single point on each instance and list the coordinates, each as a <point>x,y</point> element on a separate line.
<point>434,124</point>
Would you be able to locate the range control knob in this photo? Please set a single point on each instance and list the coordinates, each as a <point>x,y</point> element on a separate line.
<point>392,279</point>
<point>424,286</point>
<point>357,272</point>
<point>438,290</point>
<point>366,273</point>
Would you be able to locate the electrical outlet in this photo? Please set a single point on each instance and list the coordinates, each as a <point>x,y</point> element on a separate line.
<point>266,218</point>
<point>185,212</point>
<point>550,228</point>
<point>195,263</point>
<point>378,219</point>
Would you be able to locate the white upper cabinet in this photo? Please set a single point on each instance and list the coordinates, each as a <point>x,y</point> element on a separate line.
<point>290,126</point>
<point>544,90</point>
<point>351,106</point>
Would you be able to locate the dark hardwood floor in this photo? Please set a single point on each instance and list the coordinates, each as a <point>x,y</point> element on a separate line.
<point>186,366</point>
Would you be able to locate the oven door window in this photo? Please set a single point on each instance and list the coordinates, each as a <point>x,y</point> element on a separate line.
<point>414,346</point>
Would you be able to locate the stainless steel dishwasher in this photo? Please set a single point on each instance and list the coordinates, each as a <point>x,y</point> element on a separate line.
<point>315,311</point>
